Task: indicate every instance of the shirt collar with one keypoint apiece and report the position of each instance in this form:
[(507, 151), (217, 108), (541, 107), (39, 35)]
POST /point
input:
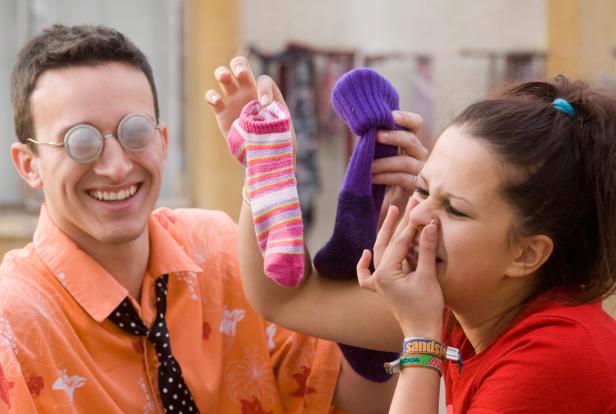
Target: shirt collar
[(96, 291)]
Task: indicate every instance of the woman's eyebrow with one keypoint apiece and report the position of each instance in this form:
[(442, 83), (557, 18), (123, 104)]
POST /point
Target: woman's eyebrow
[(446, 194)]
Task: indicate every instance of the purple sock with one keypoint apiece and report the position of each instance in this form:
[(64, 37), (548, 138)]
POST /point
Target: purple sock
[(364, 100)]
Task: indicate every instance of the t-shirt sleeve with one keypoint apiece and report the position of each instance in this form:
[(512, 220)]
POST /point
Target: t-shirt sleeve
[(552, 372), (306, 369)]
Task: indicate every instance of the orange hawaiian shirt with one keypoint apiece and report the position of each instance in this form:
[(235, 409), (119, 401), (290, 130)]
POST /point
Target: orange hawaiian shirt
[(60, 354)]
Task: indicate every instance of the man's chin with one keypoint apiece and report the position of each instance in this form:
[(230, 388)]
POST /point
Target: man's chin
[(122, 236)]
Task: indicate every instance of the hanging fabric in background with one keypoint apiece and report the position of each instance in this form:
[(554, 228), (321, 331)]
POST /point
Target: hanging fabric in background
[(335, 65), (298, 85), (415, 69), (294, 72), (423, 97)]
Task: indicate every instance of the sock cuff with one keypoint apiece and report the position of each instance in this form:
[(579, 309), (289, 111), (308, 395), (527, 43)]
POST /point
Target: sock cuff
[(256, 119)]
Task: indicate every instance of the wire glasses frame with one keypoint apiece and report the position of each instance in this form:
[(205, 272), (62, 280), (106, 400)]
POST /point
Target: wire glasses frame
[(84, 143)]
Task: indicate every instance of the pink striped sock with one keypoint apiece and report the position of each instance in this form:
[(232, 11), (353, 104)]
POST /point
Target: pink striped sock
[(261, 139)]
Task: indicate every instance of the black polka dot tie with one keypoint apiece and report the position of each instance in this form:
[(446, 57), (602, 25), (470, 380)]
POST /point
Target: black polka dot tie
[(174, 393)]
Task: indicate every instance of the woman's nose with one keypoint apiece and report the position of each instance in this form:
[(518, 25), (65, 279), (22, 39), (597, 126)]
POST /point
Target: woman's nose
[(422, 213)]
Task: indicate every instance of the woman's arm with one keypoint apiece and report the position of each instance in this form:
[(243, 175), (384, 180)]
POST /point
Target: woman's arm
[(335, 309), (330, 308), (416, 300)]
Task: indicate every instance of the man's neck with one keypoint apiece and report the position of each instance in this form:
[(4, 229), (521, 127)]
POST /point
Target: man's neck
[(126, 262)]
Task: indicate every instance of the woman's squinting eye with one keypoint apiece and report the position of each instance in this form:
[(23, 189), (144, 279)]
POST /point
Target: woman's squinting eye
[(421, 192), (454, 212)]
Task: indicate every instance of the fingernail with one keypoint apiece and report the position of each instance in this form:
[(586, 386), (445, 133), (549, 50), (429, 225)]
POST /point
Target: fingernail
[(220, 71), (397, 116), (214, 98), (383, 136), (239, 70), (264, 100)]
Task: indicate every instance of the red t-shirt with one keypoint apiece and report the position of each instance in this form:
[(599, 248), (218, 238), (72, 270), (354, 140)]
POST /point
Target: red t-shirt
[(553, 359)]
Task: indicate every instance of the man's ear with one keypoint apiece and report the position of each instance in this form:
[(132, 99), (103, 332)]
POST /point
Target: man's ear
[(163, 137), (532, 252), (26, 164)]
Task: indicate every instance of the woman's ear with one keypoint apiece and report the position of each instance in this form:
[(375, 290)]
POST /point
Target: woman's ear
[(26, 164), (532, 253)]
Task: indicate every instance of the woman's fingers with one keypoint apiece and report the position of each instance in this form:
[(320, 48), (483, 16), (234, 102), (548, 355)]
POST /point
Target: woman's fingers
[(242, 71), (398, 247), (226, 80), (405, 220), (215, 100), (384, 235), (428, 244), (364, 277), (268, 91)]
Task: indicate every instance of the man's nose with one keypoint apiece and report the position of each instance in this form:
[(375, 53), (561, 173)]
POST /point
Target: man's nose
[(114, 161)]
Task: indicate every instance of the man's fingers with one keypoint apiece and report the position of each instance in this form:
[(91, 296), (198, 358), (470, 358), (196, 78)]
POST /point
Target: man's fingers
[(397, 164), (406, 182), (364, 277), (408, 120), (428, 244), (408, 143)]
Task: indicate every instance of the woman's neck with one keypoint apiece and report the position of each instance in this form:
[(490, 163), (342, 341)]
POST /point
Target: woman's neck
[(483, 323)]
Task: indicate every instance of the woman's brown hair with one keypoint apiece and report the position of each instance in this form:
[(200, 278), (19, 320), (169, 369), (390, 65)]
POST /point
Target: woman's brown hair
[(561, 177)]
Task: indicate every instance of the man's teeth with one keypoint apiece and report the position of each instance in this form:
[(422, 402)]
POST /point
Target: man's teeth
[(114, 195)]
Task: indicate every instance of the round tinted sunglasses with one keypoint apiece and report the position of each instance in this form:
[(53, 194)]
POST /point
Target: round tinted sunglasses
[(84, 143)]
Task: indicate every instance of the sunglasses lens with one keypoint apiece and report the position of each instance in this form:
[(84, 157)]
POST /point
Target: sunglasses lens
[(83, 143), (136, 132)]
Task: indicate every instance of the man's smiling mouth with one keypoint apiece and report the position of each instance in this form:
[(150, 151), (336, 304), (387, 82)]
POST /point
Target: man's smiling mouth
[(114, 195)]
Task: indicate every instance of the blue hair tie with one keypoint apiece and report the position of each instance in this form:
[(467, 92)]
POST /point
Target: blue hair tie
[(564, 106)]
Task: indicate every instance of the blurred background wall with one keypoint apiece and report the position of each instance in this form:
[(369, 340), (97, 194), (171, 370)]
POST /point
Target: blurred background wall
[(439, 54)]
